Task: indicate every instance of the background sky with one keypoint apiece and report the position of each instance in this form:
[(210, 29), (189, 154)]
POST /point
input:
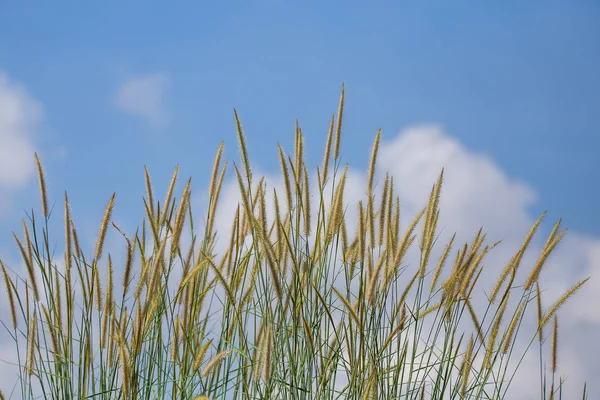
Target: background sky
[(505, 96)]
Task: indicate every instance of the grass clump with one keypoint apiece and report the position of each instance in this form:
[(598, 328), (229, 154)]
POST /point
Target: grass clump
[(292, 308)]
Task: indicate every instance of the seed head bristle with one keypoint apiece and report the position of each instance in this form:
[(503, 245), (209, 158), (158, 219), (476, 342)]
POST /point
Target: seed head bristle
[(180, 217), (278, 224), (215, 171), (42, 182), (165, 212), (233, 240), (396, 221), (372, 286), (58, 299), (215, 200), (28, 244), (243, 149), (338, 126), (158, 262), (259, 188), (103, 226), (327, 152), (475, 321), (31, 343), (175, 342), (267, 354), (550, 313), (125, 367), (466, 368), (361, 231), (371, 223), (149, 192), (257, 353), (337, 203), (299, 154), (552, 235), (104, 325), (441, 263), (263, 222), (200, 355), (344, 232), (286, 178), (97, 286), (407, 241), (373, 163), (272, 265), (216, 360), (306, 190), (391, 241), (244, 195), (9, 285), (30, 270), (382, 208), (349, 307), (109, 284), (52, 329), (538, 299), (68, 250), (516, 260), (450, 283), (512, 328), (112, 342), (535, 272), (465, 284), (429, 213), (494, 334), (128, 266)]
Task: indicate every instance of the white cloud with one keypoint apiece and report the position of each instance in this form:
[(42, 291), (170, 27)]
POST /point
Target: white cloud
[(475, 193), (144, 96), (19, 114)]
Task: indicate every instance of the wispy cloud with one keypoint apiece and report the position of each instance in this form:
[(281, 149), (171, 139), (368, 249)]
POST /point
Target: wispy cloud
[(143, 96), (19, 114)]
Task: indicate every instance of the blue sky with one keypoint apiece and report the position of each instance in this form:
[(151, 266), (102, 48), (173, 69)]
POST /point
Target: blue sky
[(518, 83), (116, 88)]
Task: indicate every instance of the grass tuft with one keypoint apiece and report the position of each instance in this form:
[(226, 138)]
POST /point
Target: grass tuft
[(292, 304)]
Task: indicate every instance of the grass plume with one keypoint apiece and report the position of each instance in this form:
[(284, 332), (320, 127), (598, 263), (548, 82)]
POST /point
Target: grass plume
[(291, 304)]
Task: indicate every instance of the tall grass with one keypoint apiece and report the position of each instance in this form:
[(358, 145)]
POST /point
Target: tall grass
[(293, 308)]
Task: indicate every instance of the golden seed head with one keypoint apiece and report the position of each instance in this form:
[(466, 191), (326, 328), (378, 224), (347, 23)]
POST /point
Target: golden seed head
[(373, 163), (149, 193), (103, 227), (550, 313), (169, 195), (9, 291), (327, 151), (306, 190), (383, 209), (42, 182), (338, 126), (215, 362), (243, 149)]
